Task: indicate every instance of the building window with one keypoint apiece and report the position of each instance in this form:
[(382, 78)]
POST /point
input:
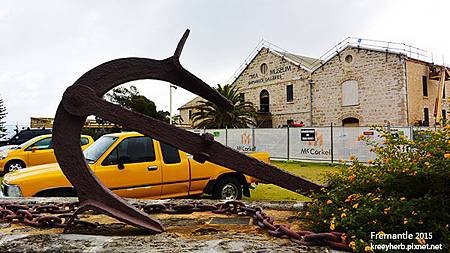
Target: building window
[(350, 93), (444, 116), (242, 97), (289, 93), (443, 92), (263, 68), (190, 114), (264, 101), (425, 86), (426, 117)]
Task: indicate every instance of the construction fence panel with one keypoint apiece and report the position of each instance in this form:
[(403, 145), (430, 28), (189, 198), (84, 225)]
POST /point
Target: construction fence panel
[(310, 143), (348, 142), (272, 140), (240, 139)]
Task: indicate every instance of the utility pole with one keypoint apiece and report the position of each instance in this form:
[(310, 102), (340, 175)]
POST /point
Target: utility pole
[(170, 101)]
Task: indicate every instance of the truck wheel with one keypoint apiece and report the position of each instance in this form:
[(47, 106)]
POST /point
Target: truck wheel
[(228, 188), (14, 165)]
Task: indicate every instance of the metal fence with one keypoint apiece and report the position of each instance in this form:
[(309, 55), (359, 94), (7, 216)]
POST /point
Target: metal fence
[(326, 144)]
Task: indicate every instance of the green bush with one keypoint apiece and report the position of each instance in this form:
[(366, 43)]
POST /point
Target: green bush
[(406, 188)]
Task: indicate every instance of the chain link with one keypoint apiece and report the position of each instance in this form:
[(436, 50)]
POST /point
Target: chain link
[(333, 240), (57, 216)]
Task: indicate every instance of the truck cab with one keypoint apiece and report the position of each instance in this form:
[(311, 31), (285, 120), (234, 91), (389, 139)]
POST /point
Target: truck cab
[(136, 166)]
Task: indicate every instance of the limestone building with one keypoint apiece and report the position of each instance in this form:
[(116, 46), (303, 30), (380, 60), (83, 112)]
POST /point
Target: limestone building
[(36, 122), (355, 84), (41, 122), (186, 113)]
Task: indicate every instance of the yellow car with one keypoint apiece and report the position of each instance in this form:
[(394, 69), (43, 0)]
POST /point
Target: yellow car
[(136, 166), (36, 151)]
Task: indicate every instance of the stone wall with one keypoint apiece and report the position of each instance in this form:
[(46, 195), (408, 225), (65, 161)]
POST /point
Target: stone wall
[(381, 88)]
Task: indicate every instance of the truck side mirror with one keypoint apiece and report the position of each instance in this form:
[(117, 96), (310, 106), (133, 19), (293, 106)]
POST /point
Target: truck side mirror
[(121, 162)]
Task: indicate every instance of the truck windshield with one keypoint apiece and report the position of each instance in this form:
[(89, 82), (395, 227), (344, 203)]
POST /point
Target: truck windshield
[(29, 142), (99, 147)]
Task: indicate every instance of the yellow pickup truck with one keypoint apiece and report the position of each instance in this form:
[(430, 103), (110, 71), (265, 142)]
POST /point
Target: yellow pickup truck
[(36, 151), (136, 166)]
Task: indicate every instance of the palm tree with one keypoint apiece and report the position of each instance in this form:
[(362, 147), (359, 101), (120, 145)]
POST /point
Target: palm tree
[(208, 115)]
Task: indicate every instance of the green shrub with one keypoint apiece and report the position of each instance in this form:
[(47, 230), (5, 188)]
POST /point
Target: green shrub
[(406, 188)]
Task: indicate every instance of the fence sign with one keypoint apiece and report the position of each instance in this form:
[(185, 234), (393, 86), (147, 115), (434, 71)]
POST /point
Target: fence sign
[(308, 134)]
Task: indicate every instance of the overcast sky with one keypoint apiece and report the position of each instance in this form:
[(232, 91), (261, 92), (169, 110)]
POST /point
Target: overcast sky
[(46, 45)]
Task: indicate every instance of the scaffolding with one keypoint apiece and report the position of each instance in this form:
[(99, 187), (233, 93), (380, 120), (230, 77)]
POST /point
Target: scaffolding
[(440, 74)]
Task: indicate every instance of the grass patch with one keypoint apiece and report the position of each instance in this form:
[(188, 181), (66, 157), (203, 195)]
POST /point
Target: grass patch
[(313, 171)]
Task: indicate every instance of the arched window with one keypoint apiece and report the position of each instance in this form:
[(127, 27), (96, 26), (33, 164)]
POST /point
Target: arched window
[(264, 101), (350, 93), (350, 121)]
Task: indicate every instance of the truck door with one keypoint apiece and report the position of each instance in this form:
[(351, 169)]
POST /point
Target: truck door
[(41, 152), (176, 174), (132, 169)]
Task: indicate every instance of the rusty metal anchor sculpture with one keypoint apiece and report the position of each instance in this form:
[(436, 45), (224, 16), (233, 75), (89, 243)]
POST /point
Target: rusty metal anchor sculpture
[(84, 98)]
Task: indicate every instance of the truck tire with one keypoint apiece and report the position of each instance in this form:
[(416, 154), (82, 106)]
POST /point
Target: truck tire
[(228, 188), (14, 165)]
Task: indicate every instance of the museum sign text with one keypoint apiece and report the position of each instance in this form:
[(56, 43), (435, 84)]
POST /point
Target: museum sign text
[(274, 74)]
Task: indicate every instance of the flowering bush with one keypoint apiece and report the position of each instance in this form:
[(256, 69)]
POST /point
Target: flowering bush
[(406, 188)]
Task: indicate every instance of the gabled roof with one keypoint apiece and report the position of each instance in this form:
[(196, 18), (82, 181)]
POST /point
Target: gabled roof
[(319, 63), (304, 61), (192, 103), (301, 61)]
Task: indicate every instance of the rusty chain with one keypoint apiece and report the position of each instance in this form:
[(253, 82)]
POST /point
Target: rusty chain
[(48, 215), (57, 215)]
